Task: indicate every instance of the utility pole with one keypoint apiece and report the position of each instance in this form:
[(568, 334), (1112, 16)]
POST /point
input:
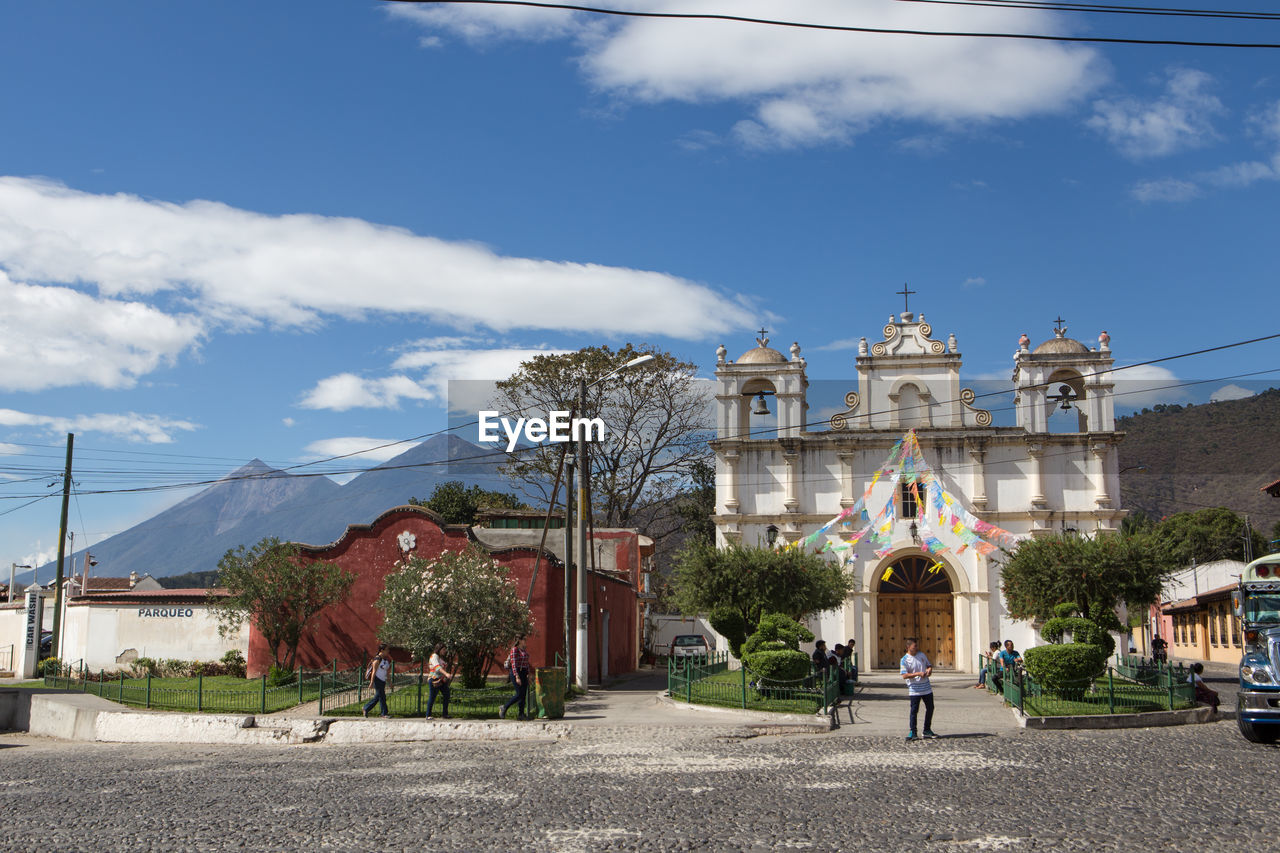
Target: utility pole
[(1248, 541), (568, 569), (62, 546), (584, 607)]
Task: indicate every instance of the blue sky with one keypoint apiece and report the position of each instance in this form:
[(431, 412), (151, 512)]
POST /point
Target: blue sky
[(237, 229)]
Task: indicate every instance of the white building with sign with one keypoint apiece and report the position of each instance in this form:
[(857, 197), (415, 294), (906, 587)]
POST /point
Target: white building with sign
[(782, 473), (108, 631)]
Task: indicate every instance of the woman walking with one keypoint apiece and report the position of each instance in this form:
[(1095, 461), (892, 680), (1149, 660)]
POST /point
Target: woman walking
[(518, 669), (379, 670), (438, 681)]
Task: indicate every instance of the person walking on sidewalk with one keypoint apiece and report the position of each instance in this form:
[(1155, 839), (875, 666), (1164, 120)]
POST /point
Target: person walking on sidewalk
[(379, 670), (518, 669), (915, 670), (438, 681)]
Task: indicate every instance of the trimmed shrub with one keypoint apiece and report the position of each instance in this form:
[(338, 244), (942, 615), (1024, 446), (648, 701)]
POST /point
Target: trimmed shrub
[(778, 665), (780, 629), (1066, 609), (729, 624), (773, 653), (1064, 666), (1082, 631)]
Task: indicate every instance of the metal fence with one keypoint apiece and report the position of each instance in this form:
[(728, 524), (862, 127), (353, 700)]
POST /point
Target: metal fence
[(257, 696), (707, 680), (341, 690), (6, 658), (1129, 687)]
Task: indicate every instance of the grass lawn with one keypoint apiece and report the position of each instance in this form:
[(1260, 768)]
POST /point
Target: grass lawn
[(725, 689), (217, 694), (1130, 698)]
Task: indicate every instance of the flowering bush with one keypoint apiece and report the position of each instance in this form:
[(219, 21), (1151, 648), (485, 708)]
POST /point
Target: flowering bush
[(464, 600)]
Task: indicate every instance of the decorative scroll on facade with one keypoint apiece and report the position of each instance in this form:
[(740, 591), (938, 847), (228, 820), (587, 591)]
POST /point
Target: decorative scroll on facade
[(840, 420), (895, 335), (981, 417)]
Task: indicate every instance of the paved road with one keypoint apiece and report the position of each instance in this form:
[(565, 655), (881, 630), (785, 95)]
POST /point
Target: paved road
[(649, 787)]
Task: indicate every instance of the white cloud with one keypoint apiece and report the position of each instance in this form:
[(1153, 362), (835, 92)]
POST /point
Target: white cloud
[(1164, 189), (1240, 175), (842, 344), (358, 448), (974, 281), (244, 269), (289, 422), (345, 391), (431, 369), (1147, 385), (129, 426), (54, 337), (1179, 119), (1230, 392), (1263, 125), (804, 87)]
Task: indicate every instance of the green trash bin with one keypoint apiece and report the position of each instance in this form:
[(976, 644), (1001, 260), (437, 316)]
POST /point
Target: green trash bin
[(549, 688)]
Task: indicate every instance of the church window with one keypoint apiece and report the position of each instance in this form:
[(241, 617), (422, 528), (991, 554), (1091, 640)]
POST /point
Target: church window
[(910, 506), (1192, 619), (1213, 625)]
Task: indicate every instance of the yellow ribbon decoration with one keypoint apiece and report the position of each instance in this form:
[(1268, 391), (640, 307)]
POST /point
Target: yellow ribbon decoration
[(888, 575)]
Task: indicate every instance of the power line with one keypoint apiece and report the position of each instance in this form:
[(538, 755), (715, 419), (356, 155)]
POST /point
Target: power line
[(594, 10), (1104, 8)]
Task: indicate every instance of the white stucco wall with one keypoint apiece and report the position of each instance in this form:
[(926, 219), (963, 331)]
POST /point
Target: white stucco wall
[(101, 633)]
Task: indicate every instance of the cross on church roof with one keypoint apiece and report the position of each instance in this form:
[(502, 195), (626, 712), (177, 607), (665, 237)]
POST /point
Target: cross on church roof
[(1059, 327), (763, 340), (906, 293)]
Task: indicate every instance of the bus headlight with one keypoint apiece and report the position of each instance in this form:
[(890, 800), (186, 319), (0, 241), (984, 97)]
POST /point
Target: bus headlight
[(1257, 675)]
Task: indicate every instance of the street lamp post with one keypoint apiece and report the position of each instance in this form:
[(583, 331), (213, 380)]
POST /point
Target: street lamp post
[(584, 606), (13, 574)]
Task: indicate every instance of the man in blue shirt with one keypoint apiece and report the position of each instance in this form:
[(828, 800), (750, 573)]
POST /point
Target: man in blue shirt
[(915, 669), (1009, 657)]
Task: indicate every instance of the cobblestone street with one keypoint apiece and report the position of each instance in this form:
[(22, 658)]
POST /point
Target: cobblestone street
[(652, 788)]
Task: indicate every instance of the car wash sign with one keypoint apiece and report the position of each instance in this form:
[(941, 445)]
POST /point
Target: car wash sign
[(31, 634)]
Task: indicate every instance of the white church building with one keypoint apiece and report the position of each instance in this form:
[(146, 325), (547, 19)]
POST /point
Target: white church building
[(783, 474)]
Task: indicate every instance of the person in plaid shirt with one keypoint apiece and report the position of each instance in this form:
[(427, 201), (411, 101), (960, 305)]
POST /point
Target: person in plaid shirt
[(517, 667)]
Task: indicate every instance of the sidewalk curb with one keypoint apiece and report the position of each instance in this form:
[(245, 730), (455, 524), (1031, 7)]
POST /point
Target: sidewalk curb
[(89, 718), (1148, 719), (754, 716)]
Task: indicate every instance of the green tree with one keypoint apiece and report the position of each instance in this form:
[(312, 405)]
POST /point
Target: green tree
[(458, 503), (1205, 535), (655, 417), (277, 592), (463, 599), (1096, 573), (738, 584), (696, 505)]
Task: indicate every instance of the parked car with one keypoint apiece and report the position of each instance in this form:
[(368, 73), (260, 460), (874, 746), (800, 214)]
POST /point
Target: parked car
[(690, 646)]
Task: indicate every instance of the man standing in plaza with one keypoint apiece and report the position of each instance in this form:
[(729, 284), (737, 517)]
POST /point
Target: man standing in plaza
[(915, 670)]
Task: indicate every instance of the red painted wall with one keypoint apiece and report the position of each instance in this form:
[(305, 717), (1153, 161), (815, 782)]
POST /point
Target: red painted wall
[(348, 631)]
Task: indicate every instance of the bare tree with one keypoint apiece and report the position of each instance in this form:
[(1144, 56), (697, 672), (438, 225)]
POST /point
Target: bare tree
[(656, 418)]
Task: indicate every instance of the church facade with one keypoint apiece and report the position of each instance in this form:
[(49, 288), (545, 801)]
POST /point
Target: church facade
[(783, 474)]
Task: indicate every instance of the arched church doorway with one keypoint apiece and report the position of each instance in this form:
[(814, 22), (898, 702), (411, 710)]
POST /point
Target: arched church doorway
[(915, 601)]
